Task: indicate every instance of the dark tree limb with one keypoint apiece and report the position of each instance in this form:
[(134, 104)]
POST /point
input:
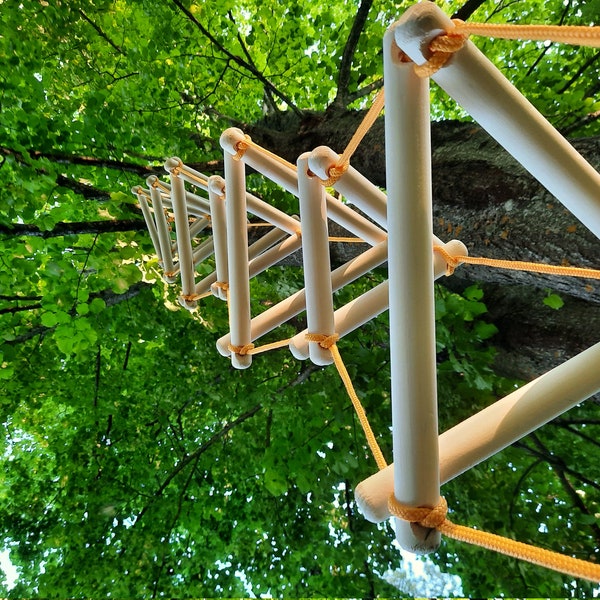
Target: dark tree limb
[(194, 456), (341, 99), (80, 228), (100, 32), (87, 161), (236, 59), (467, 9)]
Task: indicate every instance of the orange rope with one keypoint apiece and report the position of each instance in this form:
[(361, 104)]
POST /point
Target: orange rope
[(435, 518), (565, 34), (343, 163), (446, 44), (515, 265), (329, 342)]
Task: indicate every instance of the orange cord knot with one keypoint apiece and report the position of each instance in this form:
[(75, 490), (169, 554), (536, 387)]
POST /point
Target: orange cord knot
[(442, 48), (431, 518), (335, 173), (241, 147), (190, 297), (241, 350), (325, 341), (451, 261), (221, 285)]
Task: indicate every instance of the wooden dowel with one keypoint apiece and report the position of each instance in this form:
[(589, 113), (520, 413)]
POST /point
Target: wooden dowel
[(315, 258), (182, 231), (216, 197), (149, 219), (411, 312), (237, 253), (164, 236)]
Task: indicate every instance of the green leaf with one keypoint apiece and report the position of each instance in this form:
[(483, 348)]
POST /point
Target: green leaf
[(554, 301)]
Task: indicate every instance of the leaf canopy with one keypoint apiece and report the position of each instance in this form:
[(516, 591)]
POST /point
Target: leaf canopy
[(136, 462)]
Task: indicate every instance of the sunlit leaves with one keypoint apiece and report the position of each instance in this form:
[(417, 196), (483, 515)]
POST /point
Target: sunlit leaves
[(122, 472)]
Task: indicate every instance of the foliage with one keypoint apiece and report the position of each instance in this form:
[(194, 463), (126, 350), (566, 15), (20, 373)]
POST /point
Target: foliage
[(136, 462)]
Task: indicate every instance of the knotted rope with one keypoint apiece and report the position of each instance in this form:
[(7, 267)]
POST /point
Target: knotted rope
[(443, 46), (435, 518)]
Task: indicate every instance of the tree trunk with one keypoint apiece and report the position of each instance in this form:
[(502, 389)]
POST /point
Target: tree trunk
[(483, 197)]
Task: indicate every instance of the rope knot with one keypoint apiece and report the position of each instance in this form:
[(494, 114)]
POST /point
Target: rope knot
[(335, 172), (442, 48), (241, 147), (430, 518), (325, 341), (241, 350), (451, 261)]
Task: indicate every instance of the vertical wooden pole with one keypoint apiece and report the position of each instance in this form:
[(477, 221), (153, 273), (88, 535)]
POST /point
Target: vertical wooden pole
[(412, 324), (315, 256), (237, 252)]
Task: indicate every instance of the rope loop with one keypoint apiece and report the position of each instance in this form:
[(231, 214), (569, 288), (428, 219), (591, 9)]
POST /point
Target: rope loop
[(442, 47), (241, 147), (221, 285), (325, 341), (241, 350), (335, 173), (451, 261), (431, 518)]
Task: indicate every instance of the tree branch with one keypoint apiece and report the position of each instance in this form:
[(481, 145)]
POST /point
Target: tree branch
[(15, 309), (235, 58), (588, 63), (341, 98), (268, 94), (100, 32), (364, 91), (194, 456), (467, 9), (110, 299), (80, 228), (88, 161)]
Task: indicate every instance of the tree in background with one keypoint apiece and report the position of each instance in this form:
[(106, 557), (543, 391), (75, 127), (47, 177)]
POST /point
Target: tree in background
[(136, 462)]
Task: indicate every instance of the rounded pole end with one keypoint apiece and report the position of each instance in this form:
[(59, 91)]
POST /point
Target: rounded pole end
[(230, 138), (172, 163), (321, 160)]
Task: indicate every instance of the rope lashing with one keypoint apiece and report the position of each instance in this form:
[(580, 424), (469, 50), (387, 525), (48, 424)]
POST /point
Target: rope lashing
[(435, 518), (443, 46), (431, 518), (241, 148), (515, 265), (241, 350)]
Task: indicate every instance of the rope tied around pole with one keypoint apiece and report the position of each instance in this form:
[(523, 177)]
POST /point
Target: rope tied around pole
[(435, 518), (241, 147), (443, 46), (241, 350), (336, 171), (452, 262), (431, 518)]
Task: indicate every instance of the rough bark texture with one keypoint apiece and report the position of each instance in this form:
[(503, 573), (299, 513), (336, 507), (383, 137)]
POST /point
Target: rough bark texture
[(483, 197)]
